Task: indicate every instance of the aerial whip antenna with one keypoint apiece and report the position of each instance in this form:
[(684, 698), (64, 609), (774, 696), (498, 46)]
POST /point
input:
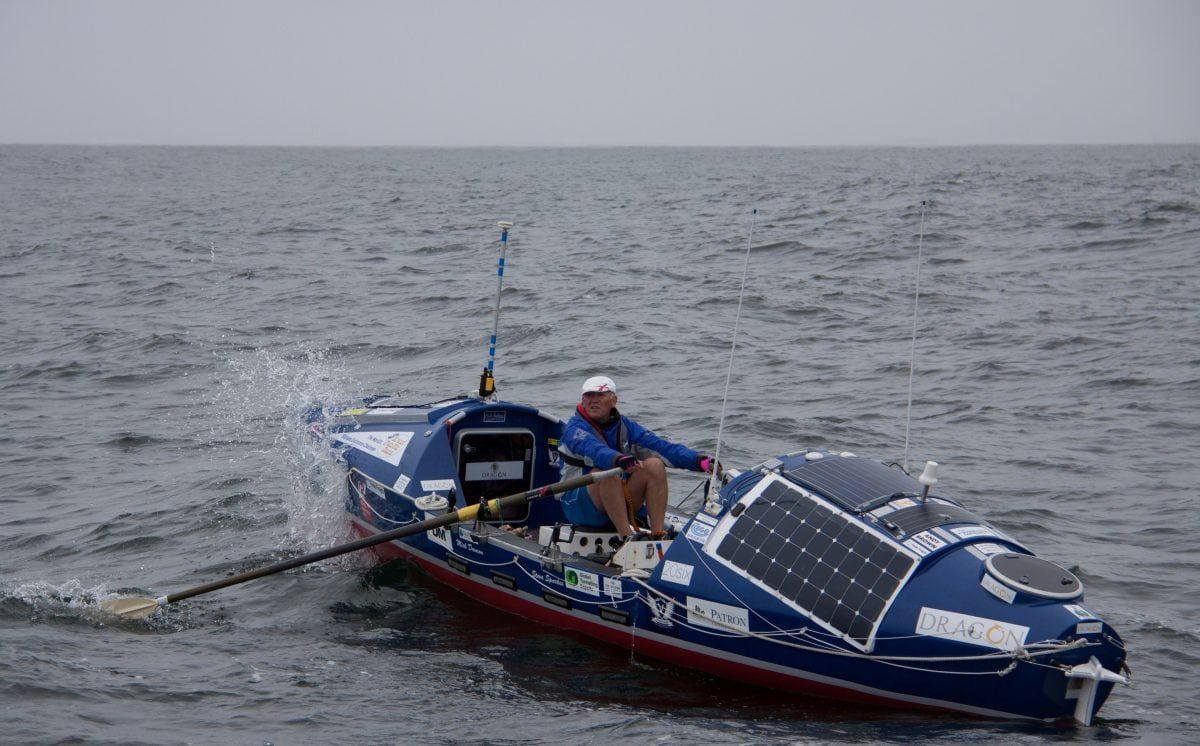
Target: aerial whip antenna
[(712, 503), (487, 384), (912, 360)]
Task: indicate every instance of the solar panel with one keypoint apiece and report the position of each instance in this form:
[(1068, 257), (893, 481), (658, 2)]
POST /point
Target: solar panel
[(930, 514), (815, 557), (856, 484)]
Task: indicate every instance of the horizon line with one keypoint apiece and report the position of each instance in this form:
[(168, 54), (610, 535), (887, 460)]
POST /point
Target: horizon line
[(584, 146)]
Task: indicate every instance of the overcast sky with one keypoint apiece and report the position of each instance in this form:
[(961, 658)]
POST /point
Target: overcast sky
[(604, 72)]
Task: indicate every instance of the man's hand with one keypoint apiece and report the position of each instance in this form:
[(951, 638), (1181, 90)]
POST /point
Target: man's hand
[(627, 463), (706, 465)]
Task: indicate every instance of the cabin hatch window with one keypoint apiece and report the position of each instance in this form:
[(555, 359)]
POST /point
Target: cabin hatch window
[(495, 463)]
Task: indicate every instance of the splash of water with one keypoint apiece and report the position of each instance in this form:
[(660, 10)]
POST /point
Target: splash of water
[(263, 403), (71, 595)]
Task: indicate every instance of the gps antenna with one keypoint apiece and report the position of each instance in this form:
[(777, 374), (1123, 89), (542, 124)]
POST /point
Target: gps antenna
[(712, 503), (487, 384)]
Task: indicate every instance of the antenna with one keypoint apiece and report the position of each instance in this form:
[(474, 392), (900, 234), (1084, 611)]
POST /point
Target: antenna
[(912, 360), (712, 503), (487, 384)]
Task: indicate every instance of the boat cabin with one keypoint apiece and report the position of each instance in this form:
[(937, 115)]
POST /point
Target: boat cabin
[(463, 450)]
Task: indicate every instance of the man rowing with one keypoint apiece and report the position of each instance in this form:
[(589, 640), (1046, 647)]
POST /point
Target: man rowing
[(600, 437)]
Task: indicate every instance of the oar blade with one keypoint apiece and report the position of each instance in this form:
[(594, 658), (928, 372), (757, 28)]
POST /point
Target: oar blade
[(132, 607)]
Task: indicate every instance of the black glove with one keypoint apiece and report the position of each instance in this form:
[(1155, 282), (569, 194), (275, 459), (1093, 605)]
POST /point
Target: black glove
[(627, 463)]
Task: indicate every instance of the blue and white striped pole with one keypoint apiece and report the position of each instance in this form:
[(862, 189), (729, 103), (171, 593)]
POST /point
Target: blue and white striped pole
[(487, 384)]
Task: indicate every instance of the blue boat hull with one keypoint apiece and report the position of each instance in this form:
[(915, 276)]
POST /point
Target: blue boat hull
[(903, 602)]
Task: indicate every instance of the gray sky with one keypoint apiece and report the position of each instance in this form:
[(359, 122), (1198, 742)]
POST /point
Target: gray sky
[(605, 72)]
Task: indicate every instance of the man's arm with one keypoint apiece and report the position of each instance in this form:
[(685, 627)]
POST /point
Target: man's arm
[(651, 443)]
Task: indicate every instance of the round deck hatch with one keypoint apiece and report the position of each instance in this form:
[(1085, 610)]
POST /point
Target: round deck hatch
[(1033, 575)]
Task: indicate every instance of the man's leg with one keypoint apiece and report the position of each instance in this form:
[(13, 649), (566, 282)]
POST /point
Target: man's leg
[(648, 485), (608, 496)]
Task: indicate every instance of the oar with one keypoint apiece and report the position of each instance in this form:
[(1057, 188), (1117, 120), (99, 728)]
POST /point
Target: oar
[(139, 607)]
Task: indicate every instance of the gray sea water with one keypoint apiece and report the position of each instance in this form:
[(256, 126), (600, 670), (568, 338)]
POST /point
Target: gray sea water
[(166, 313)]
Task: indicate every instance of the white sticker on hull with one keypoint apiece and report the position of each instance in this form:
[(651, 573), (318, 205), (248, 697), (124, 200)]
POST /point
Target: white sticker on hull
[(970, 532), (479, 471), (1079, 611), (583, 581), (989, 548), (437, 485), (973, 630), (440, 535), (677, 572), (998, 589), (916, 547), (612, 587), (929, 540), (698, 532), (401, 484), (705, 613), (705, 518), (386, 446)]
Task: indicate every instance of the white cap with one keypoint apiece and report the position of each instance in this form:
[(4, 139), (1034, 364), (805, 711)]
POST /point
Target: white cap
[(599, 384)]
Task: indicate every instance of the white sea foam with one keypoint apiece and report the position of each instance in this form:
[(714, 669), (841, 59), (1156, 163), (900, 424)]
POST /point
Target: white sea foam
[(71, 594), (263, 402)]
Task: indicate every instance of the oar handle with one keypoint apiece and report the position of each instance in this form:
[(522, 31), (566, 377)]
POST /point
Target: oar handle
[(468, 513)]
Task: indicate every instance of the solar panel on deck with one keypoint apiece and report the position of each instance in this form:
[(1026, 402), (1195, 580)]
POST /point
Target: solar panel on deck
[(832, 567), (854, 483)]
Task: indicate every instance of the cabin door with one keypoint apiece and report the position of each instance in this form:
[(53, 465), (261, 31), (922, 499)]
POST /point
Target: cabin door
[(495, 463)]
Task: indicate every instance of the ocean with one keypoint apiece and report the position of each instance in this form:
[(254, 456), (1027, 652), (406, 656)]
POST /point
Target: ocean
[(168, 312)]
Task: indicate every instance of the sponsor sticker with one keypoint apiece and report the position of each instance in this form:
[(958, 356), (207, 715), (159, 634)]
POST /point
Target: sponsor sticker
[(677, 572), (1079, 611), (581, 580), (949, 537), (612, 587), (916, 547), (989, 548), (970, 532), (998, 589), (494, 415), (973, 630), (706, 518), (386, 446), (440, 535), (930, 541), (437, 485), (1088, 628), (698, 532), (904, 502), (401, 483), (487, 470), (717, 616)]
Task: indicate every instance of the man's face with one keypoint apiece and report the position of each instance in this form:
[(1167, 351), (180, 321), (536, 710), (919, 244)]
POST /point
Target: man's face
[(599, 404)]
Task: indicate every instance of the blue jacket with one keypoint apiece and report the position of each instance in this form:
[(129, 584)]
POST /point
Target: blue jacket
[(582, 449)]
